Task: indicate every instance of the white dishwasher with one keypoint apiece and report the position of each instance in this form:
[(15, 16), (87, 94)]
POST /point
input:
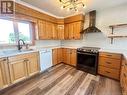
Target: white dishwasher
[(45, 59)]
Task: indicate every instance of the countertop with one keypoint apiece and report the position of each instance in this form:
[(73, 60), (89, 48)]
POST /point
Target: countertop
[(37, 49)]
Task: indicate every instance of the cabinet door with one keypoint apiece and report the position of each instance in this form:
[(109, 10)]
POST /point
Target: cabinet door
[(123, 77), (68, 56), (59, 55), (1, 79), (65, 55), (71, 29), (18, 70), (42, 30), (49, 30), (66, 32), (77, 30), (60, 31), (73, 57), (33, 65), (4, 73), (54, 29), (54, 56)]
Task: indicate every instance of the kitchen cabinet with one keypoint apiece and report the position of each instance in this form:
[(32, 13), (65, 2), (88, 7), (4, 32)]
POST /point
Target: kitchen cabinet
[(70, 56), (66, 31), (23, 66), (33, 64), (4, 73), (60, 31), (18, 70), (57, 56), (72, 30), (77, 29), (123, 76), (54, 56), (42, 30), (55, 31), (109, 65), (47, 30)]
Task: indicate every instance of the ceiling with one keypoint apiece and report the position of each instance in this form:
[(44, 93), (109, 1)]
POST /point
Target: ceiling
[(54, 6)]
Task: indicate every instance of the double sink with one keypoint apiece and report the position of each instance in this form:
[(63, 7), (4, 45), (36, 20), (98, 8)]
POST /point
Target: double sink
[(7, 53)]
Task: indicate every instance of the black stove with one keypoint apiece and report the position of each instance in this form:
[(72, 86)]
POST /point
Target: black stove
[(87, 59)]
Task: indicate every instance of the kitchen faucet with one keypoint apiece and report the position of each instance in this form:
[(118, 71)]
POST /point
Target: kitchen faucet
[(19, 44)]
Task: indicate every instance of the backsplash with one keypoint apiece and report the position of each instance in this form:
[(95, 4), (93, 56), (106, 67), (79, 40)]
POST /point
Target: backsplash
[(47, 43)]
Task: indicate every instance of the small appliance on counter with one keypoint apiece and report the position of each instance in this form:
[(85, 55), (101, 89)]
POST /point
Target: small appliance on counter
[(87, 59)]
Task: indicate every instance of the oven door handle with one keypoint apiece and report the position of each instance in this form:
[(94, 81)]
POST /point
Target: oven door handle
[(87, 53)]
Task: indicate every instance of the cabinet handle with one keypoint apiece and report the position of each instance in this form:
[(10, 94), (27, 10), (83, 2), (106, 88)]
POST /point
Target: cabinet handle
[(107, 72), (109, 55), (124, 75), (108, 62), (4, 59)]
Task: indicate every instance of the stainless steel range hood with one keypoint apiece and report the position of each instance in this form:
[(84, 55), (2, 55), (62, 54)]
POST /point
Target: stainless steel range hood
[(92, 21)]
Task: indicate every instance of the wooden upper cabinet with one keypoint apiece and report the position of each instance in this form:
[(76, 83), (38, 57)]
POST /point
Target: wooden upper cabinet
[(4, 73), (66, 31), (71, 29), (49, 30), (42, 30), (60, 31), (54, 30), (77, 29)]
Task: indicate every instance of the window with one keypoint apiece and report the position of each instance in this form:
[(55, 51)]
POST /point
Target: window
[(12, 31), (6, 32)]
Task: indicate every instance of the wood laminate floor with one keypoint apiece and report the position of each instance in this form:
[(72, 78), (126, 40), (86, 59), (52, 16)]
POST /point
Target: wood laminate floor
[(66, 80)]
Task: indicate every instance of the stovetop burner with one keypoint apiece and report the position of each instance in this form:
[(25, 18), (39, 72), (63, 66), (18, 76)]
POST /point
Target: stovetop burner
[(89, 49)]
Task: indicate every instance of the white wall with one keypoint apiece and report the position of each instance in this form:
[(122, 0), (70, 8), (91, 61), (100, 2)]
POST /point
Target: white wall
[(47, 43), (111, 16)]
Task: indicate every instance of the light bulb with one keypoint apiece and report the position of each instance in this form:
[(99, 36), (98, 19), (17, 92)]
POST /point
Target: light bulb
[(84, 6), (68, 9), (76, 10), (62, 7)]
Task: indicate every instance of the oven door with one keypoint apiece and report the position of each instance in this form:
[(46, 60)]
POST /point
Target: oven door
[(87, 61)]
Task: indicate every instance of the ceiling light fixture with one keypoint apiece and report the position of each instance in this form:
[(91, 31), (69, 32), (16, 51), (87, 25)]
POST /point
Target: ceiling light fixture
[(72, 4)]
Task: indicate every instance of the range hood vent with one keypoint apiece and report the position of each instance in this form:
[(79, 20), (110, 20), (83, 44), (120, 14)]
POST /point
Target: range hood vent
[(92, 21)]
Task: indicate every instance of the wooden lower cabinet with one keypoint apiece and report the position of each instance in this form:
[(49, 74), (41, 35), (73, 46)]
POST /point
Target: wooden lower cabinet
[(65, 55), (23, 66), (109, 65), (123, 76), (33, 66), (73, 57), (70, 56), (57, 56), (18, 70), (4, 73)]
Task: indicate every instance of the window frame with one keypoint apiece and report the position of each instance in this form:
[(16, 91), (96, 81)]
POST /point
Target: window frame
[(16, 32)]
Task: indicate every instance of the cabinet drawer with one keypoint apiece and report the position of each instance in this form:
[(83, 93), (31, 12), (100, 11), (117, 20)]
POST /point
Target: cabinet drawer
[(22, 56), (110, 55), (112, 73), (110, 63)]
